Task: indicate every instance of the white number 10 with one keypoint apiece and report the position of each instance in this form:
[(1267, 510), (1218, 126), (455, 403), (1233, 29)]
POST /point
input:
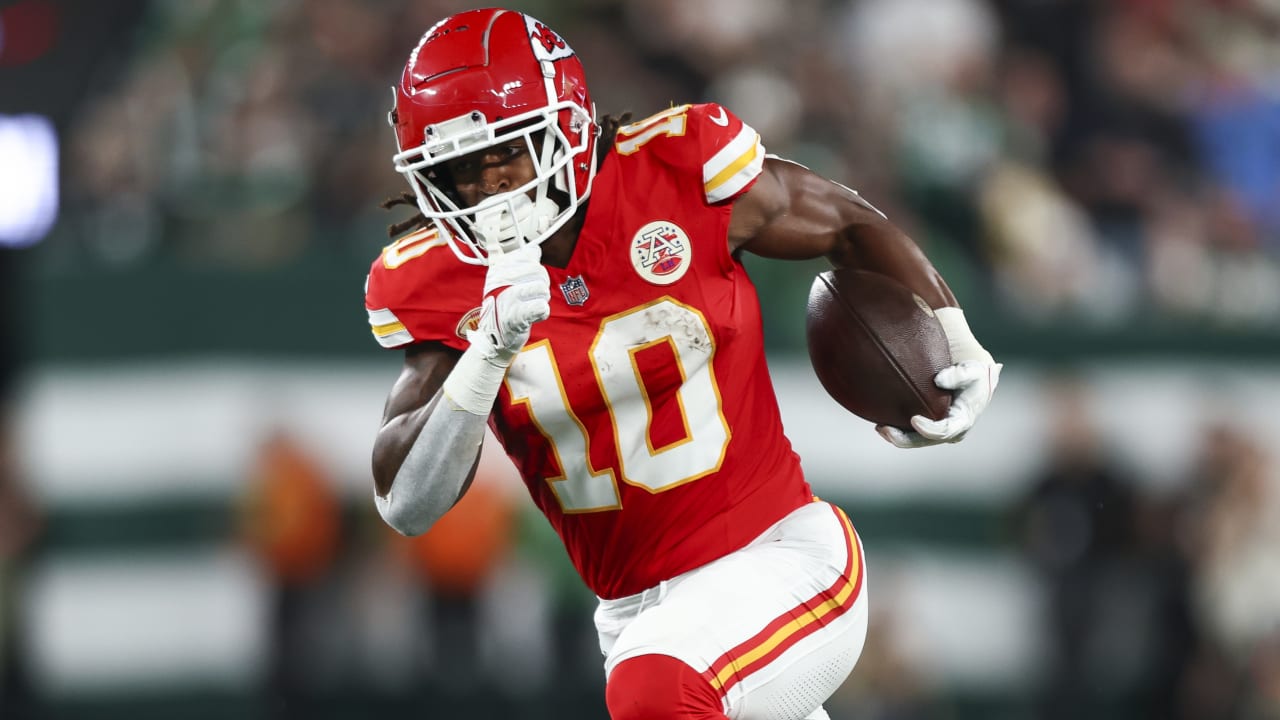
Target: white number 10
[(534, 379)]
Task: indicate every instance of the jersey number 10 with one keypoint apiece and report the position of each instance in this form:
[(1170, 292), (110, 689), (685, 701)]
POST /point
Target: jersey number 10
[(535, 380)]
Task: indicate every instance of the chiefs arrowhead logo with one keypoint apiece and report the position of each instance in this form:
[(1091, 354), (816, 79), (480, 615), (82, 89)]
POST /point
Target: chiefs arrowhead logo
[(470, 321), (545, 35), (546, 44)]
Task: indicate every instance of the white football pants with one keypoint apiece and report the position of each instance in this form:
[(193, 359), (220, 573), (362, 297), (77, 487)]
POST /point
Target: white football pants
[(774, 627)]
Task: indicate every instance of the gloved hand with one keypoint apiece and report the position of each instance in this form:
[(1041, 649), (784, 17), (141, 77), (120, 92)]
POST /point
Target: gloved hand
[(972, 378), (517, 294)]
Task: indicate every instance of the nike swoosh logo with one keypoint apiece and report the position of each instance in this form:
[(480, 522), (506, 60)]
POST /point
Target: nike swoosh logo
[(722, 121)]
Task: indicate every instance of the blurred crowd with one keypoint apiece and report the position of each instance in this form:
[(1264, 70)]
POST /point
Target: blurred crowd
[(1161, 603), (483, 616), (1069, 160)]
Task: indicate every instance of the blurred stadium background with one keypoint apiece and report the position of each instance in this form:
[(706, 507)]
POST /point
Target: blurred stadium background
[(188, 194)]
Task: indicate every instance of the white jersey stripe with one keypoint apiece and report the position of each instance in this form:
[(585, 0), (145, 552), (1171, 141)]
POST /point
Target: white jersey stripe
[(388, 329), (738, 180), (737, 164)]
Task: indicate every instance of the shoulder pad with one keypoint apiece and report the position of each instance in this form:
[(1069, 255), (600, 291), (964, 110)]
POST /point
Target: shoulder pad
[(418, 290), (706, 138)]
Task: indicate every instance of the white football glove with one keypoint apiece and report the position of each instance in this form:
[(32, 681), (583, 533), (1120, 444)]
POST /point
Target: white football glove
[(517, 294), (972, 378)]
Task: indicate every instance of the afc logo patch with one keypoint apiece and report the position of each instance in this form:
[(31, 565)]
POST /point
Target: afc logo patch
[(575, 290), (660, 252)]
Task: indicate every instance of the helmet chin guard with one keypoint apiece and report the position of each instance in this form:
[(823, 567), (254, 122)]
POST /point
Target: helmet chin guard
[(485, 78)]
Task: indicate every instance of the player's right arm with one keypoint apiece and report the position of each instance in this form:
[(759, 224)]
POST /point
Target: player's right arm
[(426, 452), (412, 493)]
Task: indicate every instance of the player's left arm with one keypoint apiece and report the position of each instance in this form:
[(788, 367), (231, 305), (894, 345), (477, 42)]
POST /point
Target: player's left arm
[(790, 212), (793, 213)]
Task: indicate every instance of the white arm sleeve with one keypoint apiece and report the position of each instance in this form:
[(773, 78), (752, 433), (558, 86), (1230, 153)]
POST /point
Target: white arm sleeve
[(436, 467)]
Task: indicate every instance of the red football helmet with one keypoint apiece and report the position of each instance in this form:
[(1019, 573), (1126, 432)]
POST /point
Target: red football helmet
[(481, 78)]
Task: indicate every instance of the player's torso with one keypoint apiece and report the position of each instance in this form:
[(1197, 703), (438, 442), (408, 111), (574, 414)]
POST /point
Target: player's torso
[(641, 413), (624, 379)]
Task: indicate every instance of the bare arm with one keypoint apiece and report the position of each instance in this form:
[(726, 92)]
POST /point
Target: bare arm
[(795, 214), (792, 213), (438, 460)]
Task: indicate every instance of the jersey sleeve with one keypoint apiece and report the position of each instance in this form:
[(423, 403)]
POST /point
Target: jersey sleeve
[(733, 151), (706, 138), (418, 291)]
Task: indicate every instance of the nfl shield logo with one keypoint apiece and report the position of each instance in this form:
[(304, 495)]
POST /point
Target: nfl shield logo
[(575, 290)]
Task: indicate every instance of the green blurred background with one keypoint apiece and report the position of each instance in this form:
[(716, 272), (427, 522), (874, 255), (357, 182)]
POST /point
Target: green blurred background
[(188, 207)]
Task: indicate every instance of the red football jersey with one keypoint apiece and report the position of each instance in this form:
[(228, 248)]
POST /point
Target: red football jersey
[(641, 414)]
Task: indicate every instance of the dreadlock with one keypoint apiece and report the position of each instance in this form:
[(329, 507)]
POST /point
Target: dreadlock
[(417, 221), (608, 130)]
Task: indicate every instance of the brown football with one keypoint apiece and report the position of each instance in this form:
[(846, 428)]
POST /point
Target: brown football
[(876, 347)]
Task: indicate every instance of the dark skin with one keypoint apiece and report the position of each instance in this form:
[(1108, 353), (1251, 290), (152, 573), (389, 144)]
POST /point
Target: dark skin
[(789, 213)]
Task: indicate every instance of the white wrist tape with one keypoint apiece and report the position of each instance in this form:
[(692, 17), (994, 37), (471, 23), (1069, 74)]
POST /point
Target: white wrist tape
[(964, 346), (474, 382)]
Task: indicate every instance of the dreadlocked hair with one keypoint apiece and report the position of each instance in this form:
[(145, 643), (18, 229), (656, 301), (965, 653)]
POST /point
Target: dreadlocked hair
[(608, 131), (416, 222)]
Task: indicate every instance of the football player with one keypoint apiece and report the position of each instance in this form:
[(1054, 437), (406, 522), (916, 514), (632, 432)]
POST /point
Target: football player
[(577, 285)]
